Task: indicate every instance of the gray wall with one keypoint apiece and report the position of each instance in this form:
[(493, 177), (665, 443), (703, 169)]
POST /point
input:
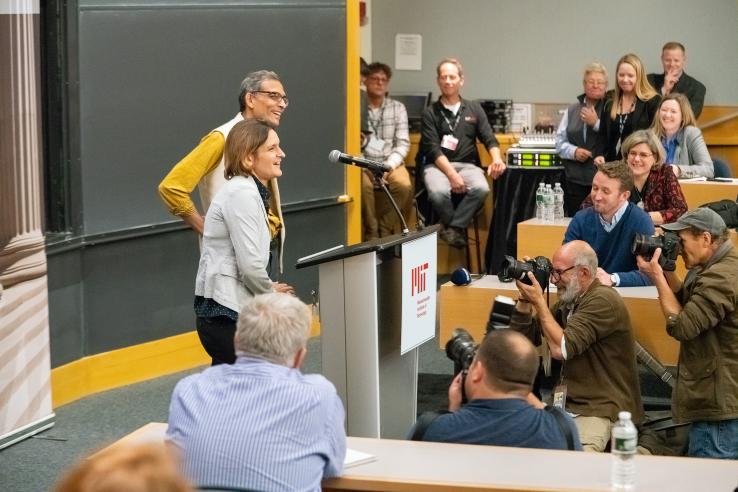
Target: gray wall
[(534, 50), (154, 77)]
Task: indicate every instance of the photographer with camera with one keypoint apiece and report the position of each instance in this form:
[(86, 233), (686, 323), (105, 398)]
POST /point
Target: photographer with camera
[(701, 314), (589, 330), (501, 410)]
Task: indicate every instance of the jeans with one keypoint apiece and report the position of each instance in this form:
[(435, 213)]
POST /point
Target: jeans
[(714, 439), (439, 193)]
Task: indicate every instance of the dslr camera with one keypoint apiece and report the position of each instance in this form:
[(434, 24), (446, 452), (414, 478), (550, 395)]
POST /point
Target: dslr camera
[(513, 269), (645, 246)]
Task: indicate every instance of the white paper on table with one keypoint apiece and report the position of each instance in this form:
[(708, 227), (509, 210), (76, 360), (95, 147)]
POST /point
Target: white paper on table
[(354, 458)]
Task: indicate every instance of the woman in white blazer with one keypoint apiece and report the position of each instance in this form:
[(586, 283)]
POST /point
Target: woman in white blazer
[(235, 242), (675, 126)]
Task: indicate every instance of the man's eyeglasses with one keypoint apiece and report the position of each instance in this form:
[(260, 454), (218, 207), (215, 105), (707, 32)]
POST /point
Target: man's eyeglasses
[(556, 273), (595, 83), (274, 96), (378, 80)]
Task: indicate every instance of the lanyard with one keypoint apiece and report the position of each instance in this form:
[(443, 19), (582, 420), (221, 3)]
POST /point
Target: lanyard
[(456, 121), (375, 124)]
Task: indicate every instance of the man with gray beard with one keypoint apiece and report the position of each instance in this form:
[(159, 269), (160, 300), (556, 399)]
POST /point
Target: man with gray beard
[(589, 331)]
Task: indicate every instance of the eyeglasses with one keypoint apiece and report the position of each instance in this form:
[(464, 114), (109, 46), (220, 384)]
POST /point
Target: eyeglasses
[(274, 96), (642, 155), (595, 83), (556, 273), (378, 80)]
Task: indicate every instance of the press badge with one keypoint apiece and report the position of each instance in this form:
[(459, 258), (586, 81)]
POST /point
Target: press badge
[(449, 142), (375, 145), (559, 396)]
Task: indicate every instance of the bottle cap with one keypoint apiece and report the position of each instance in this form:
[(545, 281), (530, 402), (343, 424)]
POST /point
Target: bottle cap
[(624, 415)]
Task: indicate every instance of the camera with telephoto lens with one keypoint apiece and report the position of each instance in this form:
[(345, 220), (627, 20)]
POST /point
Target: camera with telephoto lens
[(513, 269), (669, 243)]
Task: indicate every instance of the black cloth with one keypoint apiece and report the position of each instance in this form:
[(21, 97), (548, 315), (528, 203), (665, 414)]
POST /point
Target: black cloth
[(582, 172), (469, 123), (216, 335), (639, 119), (515, 201), (574, 196), (689, 86)]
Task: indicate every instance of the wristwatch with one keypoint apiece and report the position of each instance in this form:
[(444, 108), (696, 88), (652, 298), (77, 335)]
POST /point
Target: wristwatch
[(614, 279)]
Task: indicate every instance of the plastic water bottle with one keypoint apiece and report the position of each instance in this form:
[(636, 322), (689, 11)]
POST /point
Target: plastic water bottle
[(623, 450), (548, 208), (539, 200), (558, 202)]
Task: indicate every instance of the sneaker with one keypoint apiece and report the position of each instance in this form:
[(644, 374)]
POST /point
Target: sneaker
[(453, 237)]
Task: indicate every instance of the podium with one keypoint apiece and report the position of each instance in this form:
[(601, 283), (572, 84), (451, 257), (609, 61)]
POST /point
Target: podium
[(377, 305)]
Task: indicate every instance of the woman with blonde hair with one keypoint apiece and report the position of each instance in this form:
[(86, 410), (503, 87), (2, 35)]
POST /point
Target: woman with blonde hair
[(632, 107), (235, 242), (676, 127)]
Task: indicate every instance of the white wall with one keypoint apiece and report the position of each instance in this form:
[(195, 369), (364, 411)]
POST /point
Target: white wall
[(534, 50)]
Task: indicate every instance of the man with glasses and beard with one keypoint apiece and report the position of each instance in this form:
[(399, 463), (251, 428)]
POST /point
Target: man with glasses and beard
[(589, 331)]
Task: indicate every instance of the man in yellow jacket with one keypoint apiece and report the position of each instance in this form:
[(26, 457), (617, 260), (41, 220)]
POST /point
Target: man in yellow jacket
[(261, 96)]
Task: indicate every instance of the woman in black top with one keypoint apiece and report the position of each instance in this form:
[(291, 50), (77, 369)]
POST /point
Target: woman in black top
[(632, 107)]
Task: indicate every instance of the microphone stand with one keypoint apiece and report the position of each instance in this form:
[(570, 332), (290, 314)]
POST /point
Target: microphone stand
[(378, 175)]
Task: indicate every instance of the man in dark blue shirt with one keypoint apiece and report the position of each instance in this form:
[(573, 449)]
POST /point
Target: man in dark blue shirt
[(501, 410)]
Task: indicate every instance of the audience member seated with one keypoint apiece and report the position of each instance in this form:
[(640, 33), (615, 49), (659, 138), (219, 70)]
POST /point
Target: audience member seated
[(501, 410), (448, 144), (673, 80), (388, 142), (578, 138), (260, 424), (655, 188), (686, 151), (702, 314), (632, 107), (589, 330), (126, 468), (610, 225)]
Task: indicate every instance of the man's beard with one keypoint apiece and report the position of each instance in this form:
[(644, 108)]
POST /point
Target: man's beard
[(571, 291)]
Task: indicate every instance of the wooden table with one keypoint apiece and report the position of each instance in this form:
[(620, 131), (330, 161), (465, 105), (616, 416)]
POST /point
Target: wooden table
[(469, 306), (408, 466), (698, 193)]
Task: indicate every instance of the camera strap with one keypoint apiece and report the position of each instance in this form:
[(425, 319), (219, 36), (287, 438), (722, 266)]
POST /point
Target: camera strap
[(563, 425)]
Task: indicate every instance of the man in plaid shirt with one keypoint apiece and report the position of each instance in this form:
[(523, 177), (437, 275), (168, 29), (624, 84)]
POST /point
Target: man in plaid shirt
[(389, 143)]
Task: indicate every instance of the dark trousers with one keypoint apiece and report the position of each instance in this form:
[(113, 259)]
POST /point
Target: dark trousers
[(216, 335), (574, 196)]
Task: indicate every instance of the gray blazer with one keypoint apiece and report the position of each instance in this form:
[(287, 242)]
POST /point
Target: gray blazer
[(235, 246), (691, 155)]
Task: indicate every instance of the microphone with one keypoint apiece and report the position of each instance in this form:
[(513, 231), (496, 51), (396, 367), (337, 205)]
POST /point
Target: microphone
[(373, 166)]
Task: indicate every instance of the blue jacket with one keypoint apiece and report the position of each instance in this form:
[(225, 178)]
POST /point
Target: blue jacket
[(613, 248)]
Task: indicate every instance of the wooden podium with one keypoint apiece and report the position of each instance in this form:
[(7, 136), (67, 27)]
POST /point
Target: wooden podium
[(368, 297)]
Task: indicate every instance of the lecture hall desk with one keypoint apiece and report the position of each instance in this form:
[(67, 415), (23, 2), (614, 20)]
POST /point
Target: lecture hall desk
[(407, 466)]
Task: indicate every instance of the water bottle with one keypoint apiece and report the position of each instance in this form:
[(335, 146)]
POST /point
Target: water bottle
[(548, 208), (623, 450), (539, 201), (558, 202)]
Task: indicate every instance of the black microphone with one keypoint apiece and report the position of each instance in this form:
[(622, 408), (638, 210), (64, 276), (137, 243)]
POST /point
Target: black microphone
[(373, 166)]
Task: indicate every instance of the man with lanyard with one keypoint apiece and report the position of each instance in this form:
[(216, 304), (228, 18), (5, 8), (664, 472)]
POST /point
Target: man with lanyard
[(388, 142), (589, 330), (450, 128), (261, 96)]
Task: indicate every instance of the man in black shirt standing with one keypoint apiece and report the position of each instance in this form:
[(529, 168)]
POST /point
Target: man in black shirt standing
[(450, 129), (673, 59)]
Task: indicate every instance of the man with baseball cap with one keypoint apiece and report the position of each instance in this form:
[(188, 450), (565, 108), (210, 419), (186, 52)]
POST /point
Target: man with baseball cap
[(701, 313)]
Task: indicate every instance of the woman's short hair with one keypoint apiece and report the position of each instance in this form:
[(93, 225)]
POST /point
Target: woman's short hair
[(651, 140), (643, 89), (146, 467), (273, 327), (685, 107), (243, 140)]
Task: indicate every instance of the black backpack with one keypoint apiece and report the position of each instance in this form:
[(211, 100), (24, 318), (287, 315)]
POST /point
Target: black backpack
[(727, 209)]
